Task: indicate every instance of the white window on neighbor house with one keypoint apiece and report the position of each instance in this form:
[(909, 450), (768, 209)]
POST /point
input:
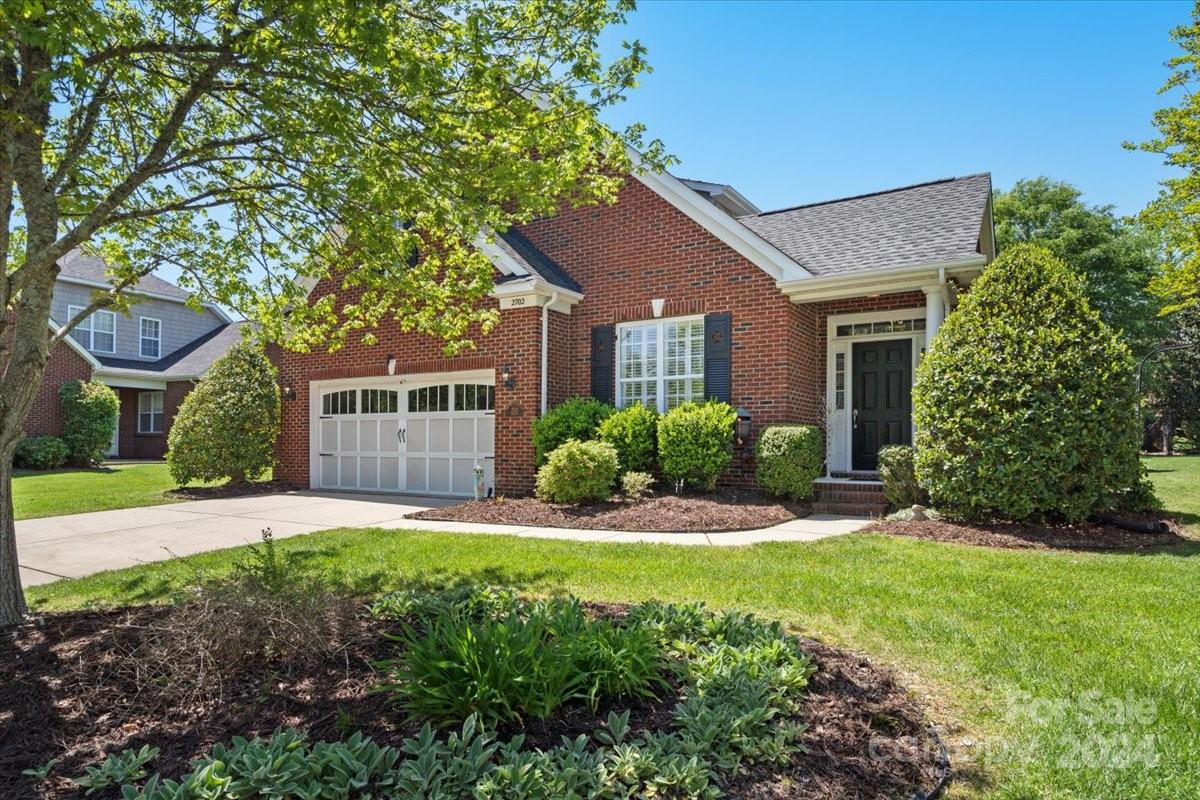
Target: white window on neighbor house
[(660, 364), (98, 332), (150, 412), (150, 337)]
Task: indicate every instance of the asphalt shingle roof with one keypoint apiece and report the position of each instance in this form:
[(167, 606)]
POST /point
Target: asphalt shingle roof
[(82, 266), (938, 221), (191, 360), (538, 263)]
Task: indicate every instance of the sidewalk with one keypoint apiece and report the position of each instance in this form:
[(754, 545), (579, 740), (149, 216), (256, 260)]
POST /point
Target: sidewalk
[(72, 546)]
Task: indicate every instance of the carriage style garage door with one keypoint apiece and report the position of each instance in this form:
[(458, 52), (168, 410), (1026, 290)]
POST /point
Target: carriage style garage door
[(403, 436)]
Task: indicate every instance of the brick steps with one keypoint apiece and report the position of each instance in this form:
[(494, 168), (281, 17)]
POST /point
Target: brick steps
[(858, 496)]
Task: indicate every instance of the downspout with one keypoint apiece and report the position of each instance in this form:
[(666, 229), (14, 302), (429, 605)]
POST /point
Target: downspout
[(546, 351)]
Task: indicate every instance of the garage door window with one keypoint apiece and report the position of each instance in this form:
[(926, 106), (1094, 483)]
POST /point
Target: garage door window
[(343, 402), (429, 399), (474, 397), (380, 401)]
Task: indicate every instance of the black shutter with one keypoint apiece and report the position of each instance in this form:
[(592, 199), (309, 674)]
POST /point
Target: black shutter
[(717, 331), (604, 339)]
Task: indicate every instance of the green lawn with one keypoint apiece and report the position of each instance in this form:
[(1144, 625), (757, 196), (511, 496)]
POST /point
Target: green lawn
[(1177, 479), (73, 491), (1006, 645)]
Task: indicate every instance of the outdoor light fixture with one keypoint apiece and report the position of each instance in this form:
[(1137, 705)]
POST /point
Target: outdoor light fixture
[(289, 391), (741, 429), (391, 364), (506, 375)]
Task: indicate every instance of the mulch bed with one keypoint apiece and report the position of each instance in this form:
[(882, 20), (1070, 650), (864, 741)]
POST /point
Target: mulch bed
[(1091, 536), (61, 698), (229, 490), (724, 510)]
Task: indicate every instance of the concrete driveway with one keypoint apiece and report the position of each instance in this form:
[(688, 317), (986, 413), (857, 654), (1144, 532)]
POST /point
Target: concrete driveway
[(82, 544)]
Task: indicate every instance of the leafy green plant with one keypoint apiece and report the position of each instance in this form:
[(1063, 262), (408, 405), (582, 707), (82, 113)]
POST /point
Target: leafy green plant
[(89, 417), (42, 773), (788, 458), (470, 601), (636, 485), (898, 472), (633, 431), (695, 442), (118, 769), (227, 426), (577, 418), (577, 472), (1024, 404), (41, 452)]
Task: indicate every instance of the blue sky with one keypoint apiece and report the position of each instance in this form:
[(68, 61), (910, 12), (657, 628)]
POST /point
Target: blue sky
[(797, 102)]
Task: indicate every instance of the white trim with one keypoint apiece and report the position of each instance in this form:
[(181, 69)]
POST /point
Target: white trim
[(76, 346), (73, 311), (162, 412), (719, 223), (886, 281), (117, 380), (533, 292), (485, 242), (661, 377), (841, 434), (157, 340)]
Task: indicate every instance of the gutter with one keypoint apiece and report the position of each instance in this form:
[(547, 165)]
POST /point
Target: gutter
[(546, 351)]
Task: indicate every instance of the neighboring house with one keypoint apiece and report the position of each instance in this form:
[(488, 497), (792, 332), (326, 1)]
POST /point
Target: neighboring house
[(152, 356), (680, 290)]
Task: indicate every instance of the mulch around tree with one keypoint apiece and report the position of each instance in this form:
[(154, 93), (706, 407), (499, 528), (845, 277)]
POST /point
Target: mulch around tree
[(63, 697), (1089, 536), (723, 510), (229, 490)]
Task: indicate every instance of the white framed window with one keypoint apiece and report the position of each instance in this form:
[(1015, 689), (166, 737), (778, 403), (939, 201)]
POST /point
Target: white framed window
[(98, 332), (660, 364), (150, 337), (150, 412)]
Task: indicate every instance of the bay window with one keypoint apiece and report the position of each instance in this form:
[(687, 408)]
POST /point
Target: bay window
[(660, 364)]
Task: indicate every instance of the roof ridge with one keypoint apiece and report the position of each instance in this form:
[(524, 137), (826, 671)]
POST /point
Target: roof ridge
[(877, 193)]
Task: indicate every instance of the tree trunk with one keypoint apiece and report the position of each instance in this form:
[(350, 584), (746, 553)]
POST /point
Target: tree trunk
[(12, 598)]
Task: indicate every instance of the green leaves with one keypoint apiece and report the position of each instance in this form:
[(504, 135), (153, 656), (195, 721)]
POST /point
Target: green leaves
[(788, 458), (633, 432), (89, 416), (577, 472), (695, 443)]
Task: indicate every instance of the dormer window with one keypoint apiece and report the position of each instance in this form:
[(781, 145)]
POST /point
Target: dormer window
[(151, 337), (97, 333)]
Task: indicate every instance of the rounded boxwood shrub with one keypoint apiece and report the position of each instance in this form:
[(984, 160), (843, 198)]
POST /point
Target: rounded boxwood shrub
[(788, 458), (632, 431), (577, 418), (41, 452), (577, 472), (695, 443), (227, 426), (899, 476), (89, 417), (1024, 404)]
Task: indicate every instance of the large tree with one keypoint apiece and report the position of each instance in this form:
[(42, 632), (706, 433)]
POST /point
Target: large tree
[(1116, 259), (257, 145), (1176, 210)]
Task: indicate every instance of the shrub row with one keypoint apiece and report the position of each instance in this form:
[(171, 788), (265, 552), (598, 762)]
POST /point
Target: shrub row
[(41, 452)]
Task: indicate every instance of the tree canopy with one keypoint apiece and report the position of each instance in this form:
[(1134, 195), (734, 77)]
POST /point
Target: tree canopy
[(259, 146), (1116, 259), (1175, 213)]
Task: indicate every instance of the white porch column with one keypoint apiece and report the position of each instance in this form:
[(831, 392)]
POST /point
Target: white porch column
[(935, 311)]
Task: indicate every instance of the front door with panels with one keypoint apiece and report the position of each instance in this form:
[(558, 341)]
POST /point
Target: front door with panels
[(882, 390), (361, 440)]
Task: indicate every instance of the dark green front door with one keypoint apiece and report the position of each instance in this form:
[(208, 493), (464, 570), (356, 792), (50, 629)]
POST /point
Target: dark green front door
[(882, 413)]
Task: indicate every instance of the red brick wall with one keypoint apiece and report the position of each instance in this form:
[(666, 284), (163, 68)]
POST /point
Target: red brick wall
[(642, 248), (64, 365)]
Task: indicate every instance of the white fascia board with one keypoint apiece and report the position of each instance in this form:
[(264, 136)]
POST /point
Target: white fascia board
[(485, 242), (76, 346), (856, 284), (744, 241), (126, 380)]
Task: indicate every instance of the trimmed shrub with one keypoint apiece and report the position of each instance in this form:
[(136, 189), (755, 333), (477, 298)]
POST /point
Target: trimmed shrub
[(577, 472), (636, 485), (632, 431), (41, 452), (577, 418), (1024, 404), (899, 476), (227, 426), (89, 417), (695, 442), (788, 458)]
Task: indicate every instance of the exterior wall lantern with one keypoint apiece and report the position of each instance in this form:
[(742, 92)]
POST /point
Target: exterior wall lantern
[(289, 391), (741, 428), (391, 364), (506, 375)]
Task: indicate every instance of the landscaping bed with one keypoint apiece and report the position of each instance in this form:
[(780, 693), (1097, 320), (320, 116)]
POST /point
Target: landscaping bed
[(80, 685), (1090, 536), (229, 489), (723, 510)]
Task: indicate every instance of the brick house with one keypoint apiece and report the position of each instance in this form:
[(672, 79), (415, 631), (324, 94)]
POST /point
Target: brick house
[(680, 290), (151, 357)]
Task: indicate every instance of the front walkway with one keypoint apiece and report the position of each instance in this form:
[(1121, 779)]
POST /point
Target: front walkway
[(81, 544)]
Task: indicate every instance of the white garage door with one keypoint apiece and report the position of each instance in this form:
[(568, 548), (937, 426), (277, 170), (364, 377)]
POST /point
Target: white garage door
[(424, 438)]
